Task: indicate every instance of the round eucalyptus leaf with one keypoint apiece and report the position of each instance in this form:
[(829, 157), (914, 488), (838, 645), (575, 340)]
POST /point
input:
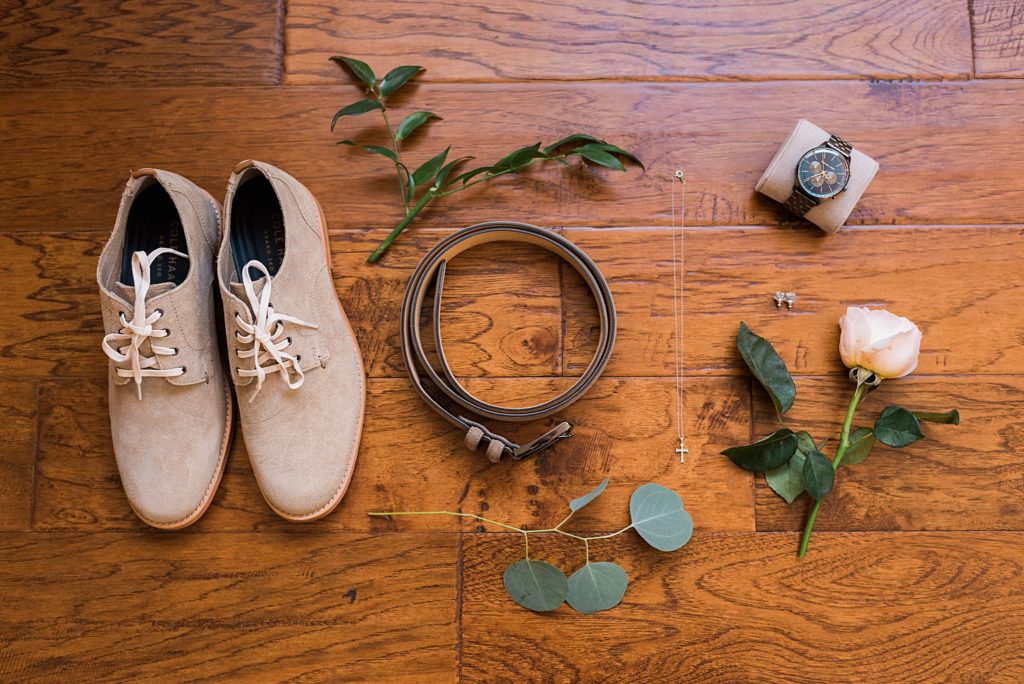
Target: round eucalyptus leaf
[(658, 516), (536, 585), (597, 586)]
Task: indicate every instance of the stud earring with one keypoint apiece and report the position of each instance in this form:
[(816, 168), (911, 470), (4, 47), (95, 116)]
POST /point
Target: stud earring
[(779, 298), (790, 299)]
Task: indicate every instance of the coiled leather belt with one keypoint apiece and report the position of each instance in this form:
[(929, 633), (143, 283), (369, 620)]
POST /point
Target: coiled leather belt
[(443, 392)]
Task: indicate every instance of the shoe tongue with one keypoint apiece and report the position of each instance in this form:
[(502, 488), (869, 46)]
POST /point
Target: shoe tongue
[(127, 292), (238, 289)]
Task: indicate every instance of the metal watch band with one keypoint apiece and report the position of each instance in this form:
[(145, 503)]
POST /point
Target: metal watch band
[(799, 203), (840, 145), (439, 388)]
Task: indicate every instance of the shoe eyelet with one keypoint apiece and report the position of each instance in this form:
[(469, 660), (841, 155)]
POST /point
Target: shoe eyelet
[(158, 312), (184, 369), (175, 352), (167, 332), (298, 357), (288, 339)]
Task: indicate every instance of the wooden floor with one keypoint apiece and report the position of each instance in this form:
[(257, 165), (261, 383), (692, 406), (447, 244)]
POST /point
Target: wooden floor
[(916, 573)]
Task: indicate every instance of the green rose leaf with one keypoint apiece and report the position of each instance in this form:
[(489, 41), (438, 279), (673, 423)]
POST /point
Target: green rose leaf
[(897, 427), (862, 440), (658, 516), (597, 586), (580, 502), (768, 367), (429, 168), (384, 151), (396, 78), (536, 585), (947, 418), (594, 153), (769, 453), (818, 475), (788, 480), (360, 70), (355, 109), (518, 158), (412, 122), (575, 137)]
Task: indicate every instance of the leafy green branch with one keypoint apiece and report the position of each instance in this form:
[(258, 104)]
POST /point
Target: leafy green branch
[(791, 461), (434, 178), (656, 513)]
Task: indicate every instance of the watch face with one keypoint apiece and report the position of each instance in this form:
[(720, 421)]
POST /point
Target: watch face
[(823, 172)]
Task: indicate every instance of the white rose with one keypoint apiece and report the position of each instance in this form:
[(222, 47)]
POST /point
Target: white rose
[(878, 341)]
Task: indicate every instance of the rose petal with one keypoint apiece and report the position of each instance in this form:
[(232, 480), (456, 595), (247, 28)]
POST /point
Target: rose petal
[(856, 334), (895, 357)]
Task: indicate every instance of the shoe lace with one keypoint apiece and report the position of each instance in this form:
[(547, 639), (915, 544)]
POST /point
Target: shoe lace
[(265, 332), (140, 328)]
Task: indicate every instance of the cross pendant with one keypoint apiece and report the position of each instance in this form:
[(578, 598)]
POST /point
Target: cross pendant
[(682, 451)]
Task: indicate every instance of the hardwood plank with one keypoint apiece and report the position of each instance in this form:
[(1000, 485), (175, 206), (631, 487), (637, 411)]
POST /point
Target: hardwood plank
[(505, 319), (88, 44), (18, 457), (998, 38), (410, 459), (731, 276), (647, 39), (311, 606), (67, 162), (965, 477), (741, 607)]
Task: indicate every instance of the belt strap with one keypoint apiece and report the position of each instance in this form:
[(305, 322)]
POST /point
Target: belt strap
[(442, 391)]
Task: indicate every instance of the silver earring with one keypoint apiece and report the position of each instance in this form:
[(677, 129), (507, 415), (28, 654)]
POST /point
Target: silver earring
[(779, 298), (790, 300)]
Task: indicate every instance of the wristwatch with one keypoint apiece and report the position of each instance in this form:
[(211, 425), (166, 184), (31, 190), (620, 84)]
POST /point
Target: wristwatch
[(821, 174)]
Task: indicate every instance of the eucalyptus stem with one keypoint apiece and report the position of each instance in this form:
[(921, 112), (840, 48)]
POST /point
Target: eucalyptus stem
[(844, 443), (473, 516)]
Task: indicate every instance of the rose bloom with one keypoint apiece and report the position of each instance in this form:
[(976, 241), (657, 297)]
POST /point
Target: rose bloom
[(878, 341)]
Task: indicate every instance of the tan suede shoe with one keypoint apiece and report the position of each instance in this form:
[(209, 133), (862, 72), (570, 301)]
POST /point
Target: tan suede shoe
[(170, 403), (294, 359)]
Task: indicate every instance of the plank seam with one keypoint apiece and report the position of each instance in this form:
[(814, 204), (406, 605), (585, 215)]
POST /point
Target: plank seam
[(280, 42), (974, 49), (458, 608), (35, 460)]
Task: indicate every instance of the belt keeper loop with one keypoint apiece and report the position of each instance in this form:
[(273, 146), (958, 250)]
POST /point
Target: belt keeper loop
[(473, 438), (494, 451)]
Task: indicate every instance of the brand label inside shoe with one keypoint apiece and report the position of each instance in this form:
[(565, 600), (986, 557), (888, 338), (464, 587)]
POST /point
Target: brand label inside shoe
[(168, 268), (272, 245)]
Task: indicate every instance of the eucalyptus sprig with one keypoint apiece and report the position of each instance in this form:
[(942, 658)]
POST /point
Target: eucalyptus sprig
[(433, 178), (656, 513), (792, 461)]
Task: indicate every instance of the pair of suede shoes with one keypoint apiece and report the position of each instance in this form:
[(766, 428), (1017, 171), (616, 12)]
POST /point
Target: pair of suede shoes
[(292, 356)]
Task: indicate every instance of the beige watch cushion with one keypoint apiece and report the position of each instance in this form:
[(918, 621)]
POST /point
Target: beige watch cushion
[(778, 179)]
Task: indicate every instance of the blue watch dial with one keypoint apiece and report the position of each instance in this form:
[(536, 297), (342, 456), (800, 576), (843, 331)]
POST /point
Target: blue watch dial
[(823, 172)]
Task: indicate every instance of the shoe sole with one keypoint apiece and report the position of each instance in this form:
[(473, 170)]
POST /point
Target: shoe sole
[(340, 494)]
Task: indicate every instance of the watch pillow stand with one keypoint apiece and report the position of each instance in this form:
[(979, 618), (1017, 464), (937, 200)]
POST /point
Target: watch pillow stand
[(778, 179)]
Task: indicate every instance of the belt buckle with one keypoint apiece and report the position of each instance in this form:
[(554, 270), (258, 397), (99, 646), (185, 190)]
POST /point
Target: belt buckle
[(561, 431)]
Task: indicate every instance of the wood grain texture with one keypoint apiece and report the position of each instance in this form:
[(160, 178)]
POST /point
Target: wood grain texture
[(963, 477), (645, 39), (55, 43), (410, 459), (998, 38), (502, 315), (18, 456), (64, 169), (911, 607), (316, 606)]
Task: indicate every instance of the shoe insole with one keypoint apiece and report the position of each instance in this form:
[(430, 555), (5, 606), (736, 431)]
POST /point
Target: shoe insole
[(257, 226), (153, 222)]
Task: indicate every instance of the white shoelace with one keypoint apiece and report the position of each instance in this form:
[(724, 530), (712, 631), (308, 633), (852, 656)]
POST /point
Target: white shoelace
[(266, 331), (140, 328)]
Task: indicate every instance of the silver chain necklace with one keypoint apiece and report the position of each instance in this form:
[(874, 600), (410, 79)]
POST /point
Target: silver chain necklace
[(677, 298)]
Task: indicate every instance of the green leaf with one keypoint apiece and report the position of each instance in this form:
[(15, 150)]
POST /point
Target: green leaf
[(594, 153), (355, 109), (897, 427), (658, 516), (429, 168), (766, 454), (536, 585), (468, 175), (608, 147), (412, 122), (346, 142), (575, 137), (597, 586), (385, 151), (818, 475), (768, 367), (518, 158), (947, 418), (580, 502), (862, 440), (788, 480), (360, 70), (439, 181), (396, 78)]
